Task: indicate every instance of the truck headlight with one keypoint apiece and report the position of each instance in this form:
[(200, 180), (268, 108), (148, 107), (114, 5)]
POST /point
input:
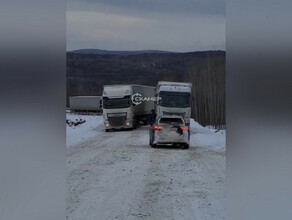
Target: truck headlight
[(128, 123)]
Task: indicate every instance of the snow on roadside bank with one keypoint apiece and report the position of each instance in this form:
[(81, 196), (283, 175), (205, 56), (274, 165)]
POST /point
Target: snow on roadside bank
[(207, 137), (200, 136), (92, 126)]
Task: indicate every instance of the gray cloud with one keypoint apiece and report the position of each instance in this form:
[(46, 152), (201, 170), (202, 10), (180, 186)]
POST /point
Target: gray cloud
[(163, 24), (167, 6)]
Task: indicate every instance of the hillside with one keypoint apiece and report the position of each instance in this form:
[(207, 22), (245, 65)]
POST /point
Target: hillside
[(121, 53), (87, 73)]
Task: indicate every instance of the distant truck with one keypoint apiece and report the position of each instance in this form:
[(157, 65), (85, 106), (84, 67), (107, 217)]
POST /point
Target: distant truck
[(85, 103), (123, 106), (174, 99)]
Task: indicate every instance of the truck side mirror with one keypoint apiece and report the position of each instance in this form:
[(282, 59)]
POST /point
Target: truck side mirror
[(100, 103)]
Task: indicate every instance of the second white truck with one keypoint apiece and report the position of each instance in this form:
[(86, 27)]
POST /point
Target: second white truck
[(125, 106), (175, 99)]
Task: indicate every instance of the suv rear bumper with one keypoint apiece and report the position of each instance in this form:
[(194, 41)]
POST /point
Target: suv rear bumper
[(171, 139)]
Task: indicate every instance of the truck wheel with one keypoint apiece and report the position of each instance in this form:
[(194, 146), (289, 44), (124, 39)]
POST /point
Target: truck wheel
[(153, 145), (106, 130), (186, 146)]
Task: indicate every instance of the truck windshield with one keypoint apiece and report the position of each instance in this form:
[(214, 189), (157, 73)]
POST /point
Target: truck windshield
[(124, 102), (175, 99)]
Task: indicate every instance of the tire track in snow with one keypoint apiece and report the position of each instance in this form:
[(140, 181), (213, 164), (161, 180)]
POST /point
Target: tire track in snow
[(118, 175)]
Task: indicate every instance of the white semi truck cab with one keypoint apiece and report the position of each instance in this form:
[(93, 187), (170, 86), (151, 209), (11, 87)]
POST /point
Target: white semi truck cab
[(119, 110), (174, 99), (117, 107)]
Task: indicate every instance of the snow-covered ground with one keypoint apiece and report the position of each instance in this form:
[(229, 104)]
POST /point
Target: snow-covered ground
[(117, 175), (202, 136), (83, 132), (207, 137)]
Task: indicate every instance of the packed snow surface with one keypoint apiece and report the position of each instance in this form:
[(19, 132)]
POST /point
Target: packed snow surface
[(83, 132), (117, 175)]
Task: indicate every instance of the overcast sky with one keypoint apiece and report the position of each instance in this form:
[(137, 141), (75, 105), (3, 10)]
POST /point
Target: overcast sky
[(173, 25)]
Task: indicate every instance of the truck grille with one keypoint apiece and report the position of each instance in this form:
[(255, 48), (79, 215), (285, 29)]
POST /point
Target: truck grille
[(117, 119)]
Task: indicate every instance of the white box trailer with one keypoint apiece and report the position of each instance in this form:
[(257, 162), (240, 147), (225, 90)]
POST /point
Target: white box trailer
[(146, 104), (85, 103)]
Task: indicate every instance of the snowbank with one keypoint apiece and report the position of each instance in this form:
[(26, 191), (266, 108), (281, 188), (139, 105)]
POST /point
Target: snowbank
[(93, 126), (200, 136), (207, 137)]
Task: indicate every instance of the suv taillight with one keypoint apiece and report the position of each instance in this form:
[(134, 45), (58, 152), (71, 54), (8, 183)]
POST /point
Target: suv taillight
[(157, 127), (185, 128)]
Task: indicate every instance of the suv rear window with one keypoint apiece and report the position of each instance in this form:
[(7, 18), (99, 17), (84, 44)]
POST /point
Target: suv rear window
[(171, 121)]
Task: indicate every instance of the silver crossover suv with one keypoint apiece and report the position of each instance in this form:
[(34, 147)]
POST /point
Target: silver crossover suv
[(169, 130)]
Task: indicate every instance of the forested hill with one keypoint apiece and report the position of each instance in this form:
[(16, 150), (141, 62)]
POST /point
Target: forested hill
[(87, 73), (119, 52)]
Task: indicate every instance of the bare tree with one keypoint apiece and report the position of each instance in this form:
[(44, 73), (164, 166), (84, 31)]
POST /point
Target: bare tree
[(208, 95)]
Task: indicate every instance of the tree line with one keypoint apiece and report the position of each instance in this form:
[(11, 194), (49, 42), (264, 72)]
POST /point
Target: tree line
[(208, 77)]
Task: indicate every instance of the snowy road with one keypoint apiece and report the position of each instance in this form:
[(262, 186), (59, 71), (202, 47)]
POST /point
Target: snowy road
[(117, 175)]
